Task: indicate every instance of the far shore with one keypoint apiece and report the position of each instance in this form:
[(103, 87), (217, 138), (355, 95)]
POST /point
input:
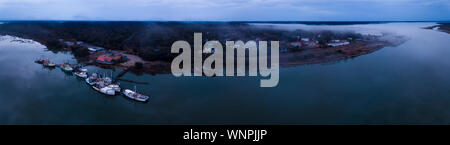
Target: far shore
[(443, 27), (316, 55), (287, 59), (332, 54), (147, 46)]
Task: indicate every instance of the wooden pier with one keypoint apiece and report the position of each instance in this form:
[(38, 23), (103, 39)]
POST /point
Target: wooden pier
[(118, 78), (121, 73), (132, 81)]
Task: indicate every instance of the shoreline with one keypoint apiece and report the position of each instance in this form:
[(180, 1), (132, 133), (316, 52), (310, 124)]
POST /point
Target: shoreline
[(335, 54), (308, 56), (287, 59), (133, 46), (441, 27)]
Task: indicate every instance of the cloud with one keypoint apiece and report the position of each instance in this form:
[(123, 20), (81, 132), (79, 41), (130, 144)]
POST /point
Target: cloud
[(226, 9)]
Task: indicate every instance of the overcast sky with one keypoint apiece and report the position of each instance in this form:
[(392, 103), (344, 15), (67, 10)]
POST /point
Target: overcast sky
[(226, 10)]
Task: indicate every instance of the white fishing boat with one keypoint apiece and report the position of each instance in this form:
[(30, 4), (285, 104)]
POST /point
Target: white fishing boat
[(107, 80), (81, 74), (104, 85), (135, 95), (51, 64), (105, 90), (68, 69), (115, 87), (48, 63), (91, 80)]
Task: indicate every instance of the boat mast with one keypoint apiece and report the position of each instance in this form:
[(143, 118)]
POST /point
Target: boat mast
[(134, 95)]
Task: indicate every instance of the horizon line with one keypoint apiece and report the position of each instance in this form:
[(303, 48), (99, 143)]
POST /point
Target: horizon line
[(43, 20)]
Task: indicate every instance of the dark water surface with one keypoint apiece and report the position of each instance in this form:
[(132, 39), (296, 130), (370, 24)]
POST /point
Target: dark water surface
[(407, 84)]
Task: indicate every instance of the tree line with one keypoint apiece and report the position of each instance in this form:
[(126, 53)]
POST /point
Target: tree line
[(152, 40)]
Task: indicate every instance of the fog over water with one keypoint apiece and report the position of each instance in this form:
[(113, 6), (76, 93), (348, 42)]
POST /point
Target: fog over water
[(227, 10), (407, 84)]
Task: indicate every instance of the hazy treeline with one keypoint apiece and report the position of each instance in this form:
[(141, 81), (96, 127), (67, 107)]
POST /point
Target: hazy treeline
[(152, 40)]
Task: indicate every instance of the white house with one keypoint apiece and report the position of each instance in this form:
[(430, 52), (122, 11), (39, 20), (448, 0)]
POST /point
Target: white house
[(334, 44)]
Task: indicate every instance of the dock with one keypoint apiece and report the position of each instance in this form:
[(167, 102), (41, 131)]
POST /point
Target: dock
[(132, 81), (122, 73), (118, 78)]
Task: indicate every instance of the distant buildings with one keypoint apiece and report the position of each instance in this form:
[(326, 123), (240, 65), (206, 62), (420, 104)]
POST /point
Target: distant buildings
[(110, 59), (68, 43), (91, 48), (335, 43), (296, 44), (311, 43), (95, 49), (305, 43), (103, 59)]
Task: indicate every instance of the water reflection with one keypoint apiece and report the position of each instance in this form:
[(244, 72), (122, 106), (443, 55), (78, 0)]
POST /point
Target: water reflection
[(407, 84)]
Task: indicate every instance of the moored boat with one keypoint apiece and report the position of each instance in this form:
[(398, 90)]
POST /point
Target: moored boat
[(91, 80), (115, 87), (106, 80), (81, 74), (104, 85), (66, 68), (48, 63), (135, 95), (105, 90), (39, 60), (79, 68)]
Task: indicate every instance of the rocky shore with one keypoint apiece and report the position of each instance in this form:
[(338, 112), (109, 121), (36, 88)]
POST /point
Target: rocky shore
[(443, 27)]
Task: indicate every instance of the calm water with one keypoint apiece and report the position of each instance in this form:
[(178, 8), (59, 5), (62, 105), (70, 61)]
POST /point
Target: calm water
[(408, 84)]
